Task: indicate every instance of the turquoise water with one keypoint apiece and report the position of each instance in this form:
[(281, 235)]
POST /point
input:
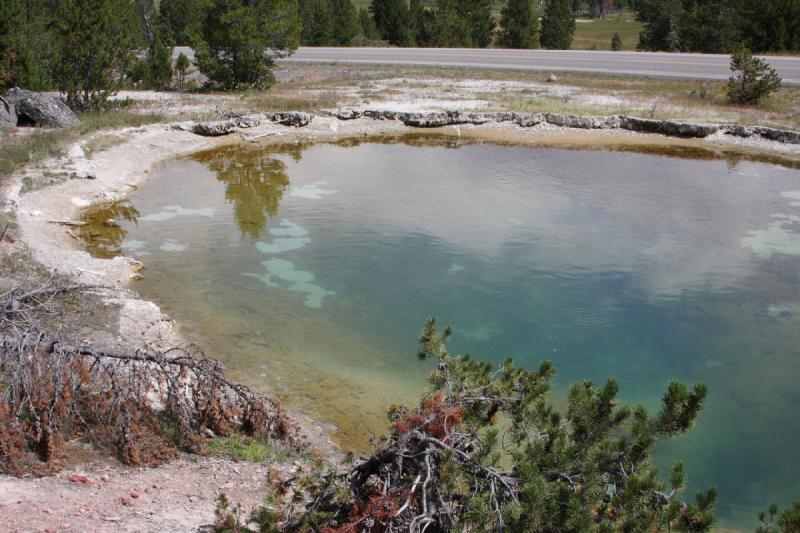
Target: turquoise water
[(310, 270)]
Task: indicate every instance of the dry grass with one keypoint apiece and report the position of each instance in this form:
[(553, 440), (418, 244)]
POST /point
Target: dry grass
[(18, 151), (99, 143)]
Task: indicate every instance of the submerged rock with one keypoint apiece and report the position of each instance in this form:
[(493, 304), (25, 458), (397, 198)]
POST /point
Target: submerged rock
[(297, 119), (8, 115), (214, 128), (41, 109)]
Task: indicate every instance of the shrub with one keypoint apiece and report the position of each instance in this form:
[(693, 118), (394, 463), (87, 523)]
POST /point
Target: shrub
[(753, 79), (616, 42)]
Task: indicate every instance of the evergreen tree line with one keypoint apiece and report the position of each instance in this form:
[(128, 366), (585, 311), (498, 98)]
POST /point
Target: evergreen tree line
[(715, 26), (469, 23), (88, 48)]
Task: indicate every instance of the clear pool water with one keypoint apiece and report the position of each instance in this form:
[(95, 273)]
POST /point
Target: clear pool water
[(310, 270)]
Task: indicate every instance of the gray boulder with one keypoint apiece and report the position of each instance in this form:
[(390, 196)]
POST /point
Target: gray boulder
[(41, 109), (8, 115), (297, 119), (214, 128)]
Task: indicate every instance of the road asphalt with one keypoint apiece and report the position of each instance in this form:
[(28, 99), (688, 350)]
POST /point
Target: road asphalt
[(692, 66)]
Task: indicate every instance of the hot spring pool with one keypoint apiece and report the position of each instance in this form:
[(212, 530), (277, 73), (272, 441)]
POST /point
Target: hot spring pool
[(310, 269)]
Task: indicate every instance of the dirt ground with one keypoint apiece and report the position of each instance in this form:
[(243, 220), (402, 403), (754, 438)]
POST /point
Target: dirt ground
[(104, 496)]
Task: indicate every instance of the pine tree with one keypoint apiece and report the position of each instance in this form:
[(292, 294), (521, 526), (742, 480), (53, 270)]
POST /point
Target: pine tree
[(478, 14), (616, 42), (753, 79), (27, 44), (558, 25), (486, 450), (159, 60), (317, 21), (95, 40), (182, 65), (180, 20), (345, 22), (367, 23), (237, 39), (519, 25), (393, 20), (451, 28)]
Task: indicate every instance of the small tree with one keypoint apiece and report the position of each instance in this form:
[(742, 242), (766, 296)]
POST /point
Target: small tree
[(616, 42), (159, 61), (182, 65), (753, 79), (558, 25), (486, 450), (519, 25)]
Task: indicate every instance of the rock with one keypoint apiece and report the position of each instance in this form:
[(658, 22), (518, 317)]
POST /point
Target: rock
[(297, 119), (572, 121), (41, 109), (8, 115), (783, 136), (79, 478), (667, 127), (214, 128), (134, 494), (447, 118), (528, 120), (347, 114), (248, 121), (552, 78)]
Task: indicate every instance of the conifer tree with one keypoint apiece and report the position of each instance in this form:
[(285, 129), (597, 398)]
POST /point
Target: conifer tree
[(182, 65), (180, 20), (393, 20), (317, 20), (451, 28), (616, 42), (27, 44), (485, 450), (96, 40), (367, 23), (345, 22), (478, 14), (558, 25), (238, 38), (159, 60), (519, 25), (753, 79)]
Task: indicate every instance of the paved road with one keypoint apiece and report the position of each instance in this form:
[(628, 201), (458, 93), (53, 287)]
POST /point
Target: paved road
[(698, 66)]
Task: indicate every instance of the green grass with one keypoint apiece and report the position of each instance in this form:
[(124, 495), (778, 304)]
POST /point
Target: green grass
[(245, 449), (597, 33)]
